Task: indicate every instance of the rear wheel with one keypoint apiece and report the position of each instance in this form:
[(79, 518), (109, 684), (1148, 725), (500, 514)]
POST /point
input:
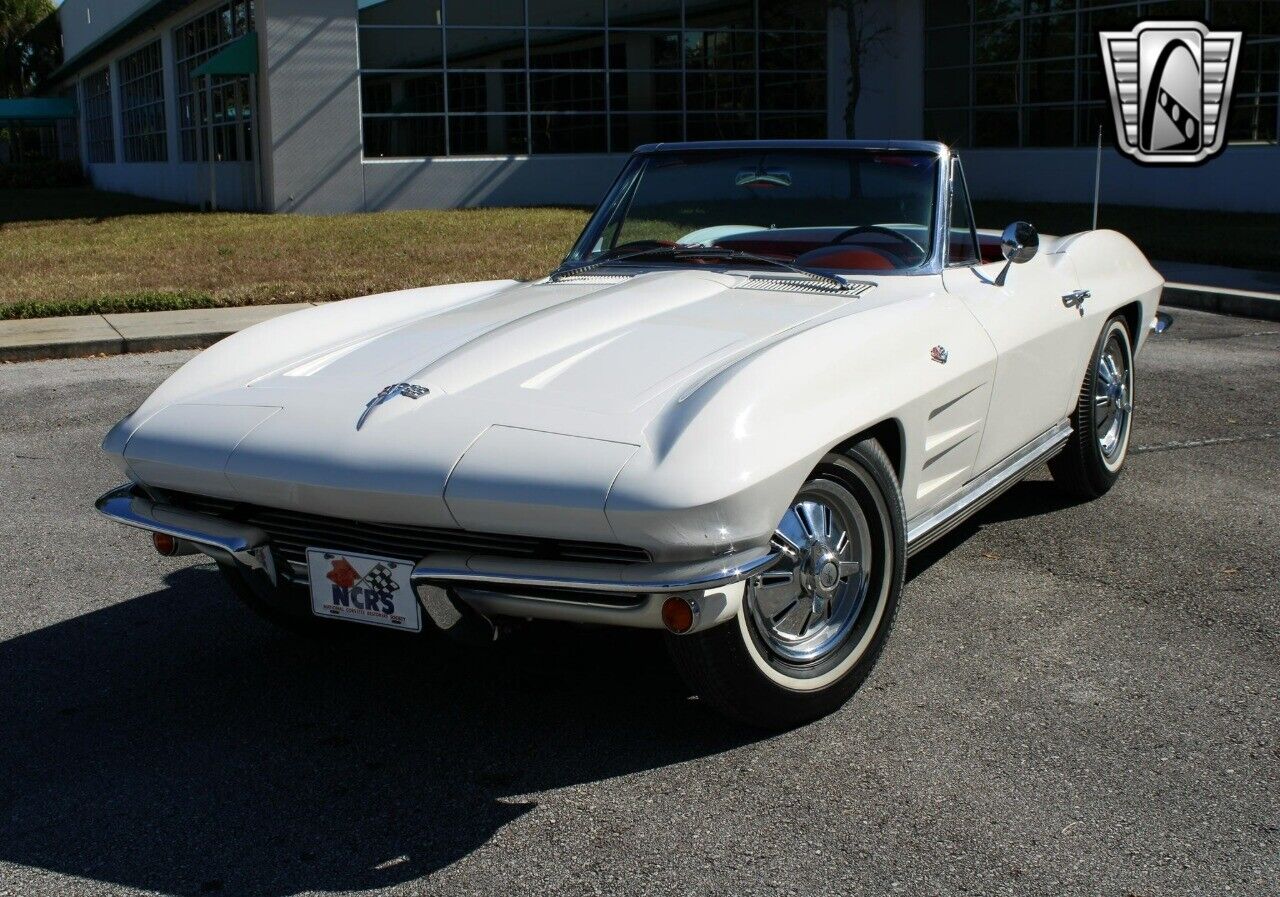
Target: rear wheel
[(1090, 463), (810, 629)]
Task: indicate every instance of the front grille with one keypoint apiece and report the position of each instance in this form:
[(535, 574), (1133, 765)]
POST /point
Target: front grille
[(292, 533)]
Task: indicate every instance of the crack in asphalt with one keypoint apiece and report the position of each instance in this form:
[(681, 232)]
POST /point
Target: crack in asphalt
[(1197, 443)]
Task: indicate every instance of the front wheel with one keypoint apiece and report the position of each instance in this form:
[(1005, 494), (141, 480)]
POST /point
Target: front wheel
[(1090, 463), (810, 629)]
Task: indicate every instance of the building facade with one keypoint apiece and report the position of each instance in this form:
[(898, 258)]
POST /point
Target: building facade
[(353, 105)]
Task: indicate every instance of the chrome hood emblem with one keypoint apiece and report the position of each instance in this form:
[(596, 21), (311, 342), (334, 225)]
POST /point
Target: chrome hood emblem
[(408, 390), (939, 354)]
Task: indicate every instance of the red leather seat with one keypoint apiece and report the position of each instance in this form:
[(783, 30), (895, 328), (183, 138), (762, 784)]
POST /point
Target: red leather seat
[(852, 258)]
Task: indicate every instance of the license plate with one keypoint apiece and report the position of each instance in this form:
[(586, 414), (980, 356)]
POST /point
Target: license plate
[(363, 589)]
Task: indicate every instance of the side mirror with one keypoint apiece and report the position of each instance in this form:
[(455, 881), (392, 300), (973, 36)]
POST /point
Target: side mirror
[(1019, 243)]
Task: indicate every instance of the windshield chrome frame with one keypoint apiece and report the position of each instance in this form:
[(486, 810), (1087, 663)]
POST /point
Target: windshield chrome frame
[(627, 177)]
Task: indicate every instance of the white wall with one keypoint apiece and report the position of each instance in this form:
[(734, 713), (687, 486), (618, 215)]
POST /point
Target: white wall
[(84, 21), (311, 105), (184, 182)]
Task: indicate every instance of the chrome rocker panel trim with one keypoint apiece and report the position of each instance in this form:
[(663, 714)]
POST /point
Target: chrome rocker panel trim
[(982, 490)]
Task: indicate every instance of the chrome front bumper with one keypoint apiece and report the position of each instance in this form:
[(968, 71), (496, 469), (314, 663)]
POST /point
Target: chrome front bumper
[(493, 585)]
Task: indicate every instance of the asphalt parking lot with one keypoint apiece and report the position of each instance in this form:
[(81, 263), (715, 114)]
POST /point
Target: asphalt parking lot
[(1076, 700)]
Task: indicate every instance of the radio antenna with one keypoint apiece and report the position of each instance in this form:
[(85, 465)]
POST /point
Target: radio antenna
[(1097, 179)]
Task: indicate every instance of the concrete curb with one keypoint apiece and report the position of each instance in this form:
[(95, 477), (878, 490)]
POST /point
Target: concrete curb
[(1223, 300), (82, 335)]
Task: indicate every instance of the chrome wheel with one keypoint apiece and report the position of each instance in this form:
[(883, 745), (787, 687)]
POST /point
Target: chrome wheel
[(803, 608), (1113, 398)]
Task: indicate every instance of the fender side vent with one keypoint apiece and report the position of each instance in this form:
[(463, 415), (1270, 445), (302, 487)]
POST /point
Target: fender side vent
[(801, 285)]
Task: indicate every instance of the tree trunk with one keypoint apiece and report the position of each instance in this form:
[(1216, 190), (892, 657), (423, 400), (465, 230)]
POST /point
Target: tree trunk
[(851, 100), (853, 33)]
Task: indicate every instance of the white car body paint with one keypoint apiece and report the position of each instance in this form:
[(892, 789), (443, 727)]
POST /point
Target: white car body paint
[(677, 411)]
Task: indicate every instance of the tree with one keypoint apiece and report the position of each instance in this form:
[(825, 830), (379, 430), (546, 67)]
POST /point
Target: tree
[(865, 33), (25, 57)]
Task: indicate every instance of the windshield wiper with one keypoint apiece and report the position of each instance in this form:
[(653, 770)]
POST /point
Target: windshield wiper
[(697, 250)]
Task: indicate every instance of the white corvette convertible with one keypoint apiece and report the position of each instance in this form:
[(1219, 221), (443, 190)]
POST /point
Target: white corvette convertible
[(765, 374)]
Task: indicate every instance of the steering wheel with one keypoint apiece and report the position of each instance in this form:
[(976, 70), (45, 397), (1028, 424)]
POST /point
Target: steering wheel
[(878, 229)]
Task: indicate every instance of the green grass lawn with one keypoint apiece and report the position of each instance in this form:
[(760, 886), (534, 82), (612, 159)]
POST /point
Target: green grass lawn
[(78, 251)]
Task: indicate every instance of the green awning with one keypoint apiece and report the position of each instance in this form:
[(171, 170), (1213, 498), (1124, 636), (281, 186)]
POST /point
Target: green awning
[(37, 109), (239, 57)]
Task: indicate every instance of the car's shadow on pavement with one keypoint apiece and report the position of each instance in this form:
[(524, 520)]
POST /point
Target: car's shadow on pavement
[(175, 743)]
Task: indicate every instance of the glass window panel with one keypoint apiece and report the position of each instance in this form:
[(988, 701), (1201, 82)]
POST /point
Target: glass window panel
[(997, 9), (739, 126), (142, 105), (995, 85), (720, 49), (1259, 68), (946, 88), (645, 91), (399, 12), (719, 14), (406, 136), (554, 133), (1049, 36), (401, 48), (486, 92), (644, 50), (961, 249), (644, 13), (1048, 126), (720, 91), (1035, 7), (809, 126), (630, 131), (995, 127), (566, 49), (402, 93), (1252, 119), (1050, 82), (579, 13), (485, 12), (995, 42), (951, 126), (797, 92), (799, 51), (1174, 9), (485, 48), (488, 135), (566, 91), (947, 12), (798, 15), (946, 46)]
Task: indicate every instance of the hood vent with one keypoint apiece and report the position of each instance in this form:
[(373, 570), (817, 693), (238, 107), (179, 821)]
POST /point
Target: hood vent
[(798, 285), (590, 278)]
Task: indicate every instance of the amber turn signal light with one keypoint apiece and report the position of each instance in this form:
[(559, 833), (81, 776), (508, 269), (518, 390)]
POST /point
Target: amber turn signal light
[(679, 614)]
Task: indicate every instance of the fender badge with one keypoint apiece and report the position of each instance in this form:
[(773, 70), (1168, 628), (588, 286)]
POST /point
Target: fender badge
[(408, 390), (939, 354)]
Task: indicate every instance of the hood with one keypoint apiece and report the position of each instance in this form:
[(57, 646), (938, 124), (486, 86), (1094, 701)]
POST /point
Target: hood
[(596, 347), (547, 381)]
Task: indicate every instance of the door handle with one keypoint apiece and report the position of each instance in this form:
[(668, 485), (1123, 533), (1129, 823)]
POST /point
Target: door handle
[(1075, 299)]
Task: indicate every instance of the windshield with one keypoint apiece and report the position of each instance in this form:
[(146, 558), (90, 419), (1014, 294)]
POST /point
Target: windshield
[(839, 210)]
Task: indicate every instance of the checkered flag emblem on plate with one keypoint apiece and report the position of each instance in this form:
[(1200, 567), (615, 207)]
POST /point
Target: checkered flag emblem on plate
[(378, 579)]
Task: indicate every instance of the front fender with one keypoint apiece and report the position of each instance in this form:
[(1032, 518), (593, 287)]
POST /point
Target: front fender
[(720, 466)]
